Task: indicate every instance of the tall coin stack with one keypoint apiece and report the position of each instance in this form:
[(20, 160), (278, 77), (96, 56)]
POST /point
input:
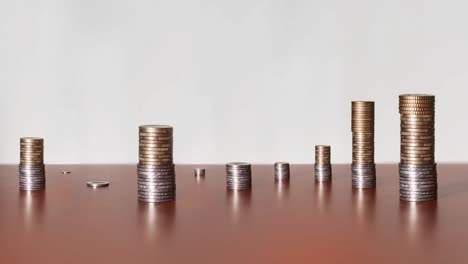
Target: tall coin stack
[(238, 176), (418, 171), (156, 171), (323, 169), (281, 170), (362, 126), (31, 167)]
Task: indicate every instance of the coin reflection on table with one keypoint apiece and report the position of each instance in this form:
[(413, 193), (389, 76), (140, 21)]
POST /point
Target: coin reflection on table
[(239, 202), (156, 220), (32, 205), (364, 201), (199, 174), (419, 221), (282, 190), (323, 193)]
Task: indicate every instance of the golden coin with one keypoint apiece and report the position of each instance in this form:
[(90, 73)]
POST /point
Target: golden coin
[(155, 127), (31, 139), (154, 134)]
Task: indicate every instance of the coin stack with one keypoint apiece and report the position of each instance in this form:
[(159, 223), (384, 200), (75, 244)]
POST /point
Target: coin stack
[(156, 171), (362, 126), (238, 176), (418, 170), (323, 170), (281, 170), (31, 167)]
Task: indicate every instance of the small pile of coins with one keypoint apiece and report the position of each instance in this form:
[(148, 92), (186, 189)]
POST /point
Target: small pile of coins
[(199, 172), (238, 176), (323, 169), (31, 167), (362, 127), (281, 170), (156, 170), (418, 170)]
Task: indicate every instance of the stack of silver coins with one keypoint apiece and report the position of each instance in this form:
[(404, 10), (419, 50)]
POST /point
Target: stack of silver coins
[(238, 176), (418, 170), (156, 170), (323, 169), (31, 167), (281, 170), (362, 127)]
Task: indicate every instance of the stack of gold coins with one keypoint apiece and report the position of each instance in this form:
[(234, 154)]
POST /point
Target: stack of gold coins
[(323, 170), (418, 170), (31, 167), (156, 171), (362, 127)]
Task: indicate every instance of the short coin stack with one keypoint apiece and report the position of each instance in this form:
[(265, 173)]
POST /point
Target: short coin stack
[(323, 169), (281, 170), (418, 171), (238, 176), (31, 167), (362, 126), (156, 172)]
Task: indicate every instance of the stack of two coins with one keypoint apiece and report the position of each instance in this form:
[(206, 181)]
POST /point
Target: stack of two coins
[(156, 171), (281, 170), (238, 176), (323, 170), (31, 167), (362, 127), (418, 171)]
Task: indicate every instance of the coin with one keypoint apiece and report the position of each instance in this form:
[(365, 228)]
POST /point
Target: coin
[(97, 184), (156, 171), (199, 172), (238, 175)]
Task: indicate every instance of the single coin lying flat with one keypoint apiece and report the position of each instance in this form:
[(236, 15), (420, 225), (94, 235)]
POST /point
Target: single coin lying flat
[(97, 184)]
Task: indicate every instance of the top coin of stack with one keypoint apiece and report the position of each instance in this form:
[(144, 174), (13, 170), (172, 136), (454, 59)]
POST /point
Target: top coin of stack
[(31, 151), (417, 129), (155, 145), (362, 126), (322, 155)]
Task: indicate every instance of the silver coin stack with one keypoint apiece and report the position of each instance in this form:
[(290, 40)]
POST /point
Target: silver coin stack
[(156, 170), (418, 170), (362, 127), (31, 167), (281, 170), (238, 176), (323, 169)]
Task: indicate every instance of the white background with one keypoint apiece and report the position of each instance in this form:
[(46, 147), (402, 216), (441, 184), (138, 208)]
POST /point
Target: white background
[(256, 81)]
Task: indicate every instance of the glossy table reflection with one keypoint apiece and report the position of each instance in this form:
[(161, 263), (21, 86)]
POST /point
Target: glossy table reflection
[(299, 221)]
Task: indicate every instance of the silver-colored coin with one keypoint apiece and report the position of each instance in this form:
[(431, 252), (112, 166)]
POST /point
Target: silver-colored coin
[(161, 183), (97, 184), (156, 187), (155, 167), (156, 174), (199, 171)]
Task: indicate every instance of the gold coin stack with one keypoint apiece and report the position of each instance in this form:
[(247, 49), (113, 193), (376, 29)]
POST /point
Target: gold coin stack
[(362, 127), (418, 170), (323, 170), (31, 167), (156, 171)]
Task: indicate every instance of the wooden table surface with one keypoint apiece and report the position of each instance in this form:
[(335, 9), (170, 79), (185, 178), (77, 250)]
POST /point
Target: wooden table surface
[(276, 222)]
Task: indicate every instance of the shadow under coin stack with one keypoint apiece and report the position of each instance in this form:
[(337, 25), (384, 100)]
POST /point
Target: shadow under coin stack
[(323, 169), (238, 176), (418, 171), (156, 171), (281, 170), (362, 126), (31, 167)]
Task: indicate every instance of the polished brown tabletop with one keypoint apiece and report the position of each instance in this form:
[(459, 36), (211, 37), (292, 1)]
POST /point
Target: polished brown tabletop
[(276, 222)]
